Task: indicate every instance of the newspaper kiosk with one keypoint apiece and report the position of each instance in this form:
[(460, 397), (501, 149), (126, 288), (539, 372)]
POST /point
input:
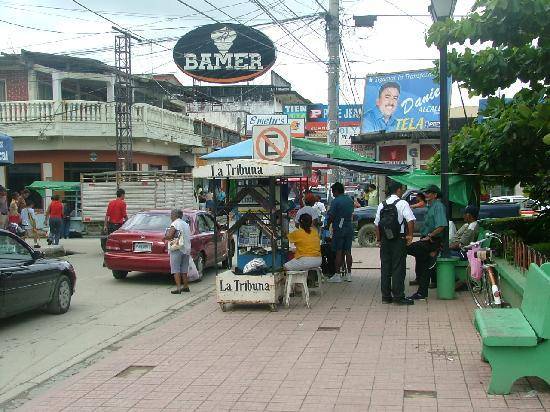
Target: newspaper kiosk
[(259, 202)]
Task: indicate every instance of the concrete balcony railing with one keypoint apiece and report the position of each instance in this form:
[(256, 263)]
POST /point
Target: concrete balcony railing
[(89, 118)]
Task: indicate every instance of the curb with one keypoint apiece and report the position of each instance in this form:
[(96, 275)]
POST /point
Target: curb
[(19, 391)]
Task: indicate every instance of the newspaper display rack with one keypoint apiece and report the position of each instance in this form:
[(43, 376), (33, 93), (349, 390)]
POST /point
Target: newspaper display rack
[(258, 198)]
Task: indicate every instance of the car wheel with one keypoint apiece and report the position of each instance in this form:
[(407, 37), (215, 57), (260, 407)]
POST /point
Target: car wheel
[(199, 263), (367, 235), (120, 274), (61, 300), (226, 264)]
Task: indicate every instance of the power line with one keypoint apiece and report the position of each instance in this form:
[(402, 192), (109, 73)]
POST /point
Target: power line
[(299, 42), (40, 29)]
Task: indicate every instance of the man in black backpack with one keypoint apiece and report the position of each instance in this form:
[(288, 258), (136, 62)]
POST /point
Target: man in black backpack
[(394, 230)]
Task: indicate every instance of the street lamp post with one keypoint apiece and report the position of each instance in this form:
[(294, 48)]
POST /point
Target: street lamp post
[(442, 10)]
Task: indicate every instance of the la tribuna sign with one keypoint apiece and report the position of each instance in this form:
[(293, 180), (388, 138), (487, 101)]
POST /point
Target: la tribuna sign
[(224, 53)]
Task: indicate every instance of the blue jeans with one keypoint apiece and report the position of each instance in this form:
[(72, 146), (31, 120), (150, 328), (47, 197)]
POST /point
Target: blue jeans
[(56, 224), (66, 227)]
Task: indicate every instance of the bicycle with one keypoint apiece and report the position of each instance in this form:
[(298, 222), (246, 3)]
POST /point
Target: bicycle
[(482, 279)]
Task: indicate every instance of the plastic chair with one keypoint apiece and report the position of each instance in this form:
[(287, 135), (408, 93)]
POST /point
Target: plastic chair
[(296, 277)]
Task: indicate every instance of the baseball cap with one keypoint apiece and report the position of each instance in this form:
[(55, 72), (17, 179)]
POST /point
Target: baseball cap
[(432, 189)]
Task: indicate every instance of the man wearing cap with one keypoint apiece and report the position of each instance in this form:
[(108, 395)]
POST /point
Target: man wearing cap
[(467, 233), (432, 236), (393, 252)]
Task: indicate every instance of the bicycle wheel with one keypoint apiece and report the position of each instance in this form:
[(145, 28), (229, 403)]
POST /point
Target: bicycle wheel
[(477, 289)]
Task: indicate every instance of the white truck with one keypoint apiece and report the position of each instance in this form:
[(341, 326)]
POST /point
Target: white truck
[(144, 190)]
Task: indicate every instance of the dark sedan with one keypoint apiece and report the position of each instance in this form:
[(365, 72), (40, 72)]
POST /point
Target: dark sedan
[(29, 281)]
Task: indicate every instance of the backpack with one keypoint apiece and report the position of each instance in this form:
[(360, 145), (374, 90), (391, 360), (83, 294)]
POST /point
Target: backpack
[(389, 224)]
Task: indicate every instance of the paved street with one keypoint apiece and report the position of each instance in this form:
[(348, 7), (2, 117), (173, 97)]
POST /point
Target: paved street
[(37, 345), (348, 352)]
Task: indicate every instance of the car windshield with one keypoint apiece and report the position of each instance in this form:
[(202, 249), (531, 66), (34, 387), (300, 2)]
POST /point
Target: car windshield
[(148, 222), (12, 249)]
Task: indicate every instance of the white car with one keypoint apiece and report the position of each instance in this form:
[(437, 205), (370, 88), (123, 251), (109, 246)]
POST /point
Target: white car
[(507, 199)]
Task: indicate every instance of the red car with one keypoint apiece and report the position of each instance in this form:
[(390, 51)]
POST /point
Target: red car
[(139, 246)]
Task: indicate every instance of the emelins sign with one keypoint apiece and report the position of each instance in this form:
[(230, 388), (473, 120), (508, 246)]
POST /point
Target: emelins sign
[(224, 53)]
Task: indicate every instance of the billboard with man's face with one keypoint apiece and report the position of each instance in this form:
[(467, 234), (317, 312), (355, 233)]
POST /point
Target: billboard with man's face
[(405, 101)]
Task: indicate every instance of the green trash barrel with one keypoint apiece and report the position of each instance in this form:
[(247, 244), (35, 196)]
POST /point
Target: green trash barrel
[(446, 277)]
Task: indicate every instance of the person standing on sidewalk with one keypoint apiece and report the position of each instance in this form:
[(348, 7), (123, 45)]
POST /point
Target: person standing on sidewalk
[(116, 213), (432, 237), (3, 207), (394, 224), (179, 249), (54, 215), (28, 222), (339, 215)]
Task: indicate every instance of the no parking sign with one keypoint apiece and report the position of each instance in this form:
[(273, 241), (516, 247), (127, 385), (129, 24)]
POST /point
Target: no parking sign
[(272, 143)]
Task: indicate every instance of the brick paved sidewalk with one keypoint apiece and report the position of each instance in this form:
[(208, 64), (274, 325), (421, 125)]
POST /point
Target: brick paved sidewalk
[(369, 356)]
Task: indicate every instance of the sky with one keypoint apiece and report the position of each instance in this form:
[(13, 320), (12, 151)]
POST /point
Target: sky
[(395, 43)]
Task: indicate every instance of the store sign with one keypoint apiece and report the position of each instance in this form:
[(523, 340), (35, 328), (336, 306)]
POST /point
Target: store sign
[(6, 149), (405, 101), (224, 53), (295, 111), (317, 116), (345, 134), (272, 143), (245, 169), (264, 120), (297, 127)]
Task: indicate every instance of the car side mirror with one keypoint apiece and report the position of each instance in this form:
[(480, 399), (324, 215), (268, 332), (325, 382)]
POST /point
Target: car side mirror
[(37, 254)]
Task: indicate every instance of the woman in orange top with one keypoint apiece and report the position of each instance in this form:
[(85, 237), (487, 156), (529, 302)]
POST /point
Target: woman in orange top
[(308, 246), (55, 216)]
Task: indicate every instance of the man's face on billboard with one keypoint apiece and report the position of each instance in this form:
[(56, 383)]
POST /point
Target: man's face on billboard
[(387, 102)]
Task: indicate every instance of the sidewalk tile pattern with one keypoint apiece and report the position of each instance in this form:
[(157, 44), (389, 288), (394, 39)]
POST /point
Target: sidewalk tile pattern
[(251, 359)]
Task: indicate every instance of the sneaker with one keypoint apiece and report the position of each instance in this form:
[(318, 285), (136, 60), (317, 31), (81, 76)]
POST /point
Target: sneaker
[(413, 283), (347, 277), (175, 292), (403, 301), (37, 246), (185, 290), (417, 296), (387, 300), (335, 279)]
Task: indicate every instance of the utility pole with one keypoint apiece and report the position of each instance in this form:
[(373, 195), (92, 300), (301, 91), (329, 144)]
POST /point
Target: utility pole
[(333, 45), (123, 98)]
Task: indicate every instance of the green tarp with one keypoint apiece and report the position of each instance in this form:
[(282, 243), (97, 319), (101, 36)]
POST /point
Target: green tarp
[(461, 188), (40, 186), (327, 150)]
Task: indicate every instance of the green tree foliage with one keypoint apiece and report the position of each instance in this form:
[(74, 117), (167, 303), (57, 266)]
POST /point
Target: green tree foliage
[(508, 147)]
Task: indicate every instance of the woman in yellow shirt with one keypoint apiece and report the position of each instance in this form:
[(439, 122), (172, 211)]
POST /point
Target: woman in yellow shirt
[(308, 246)]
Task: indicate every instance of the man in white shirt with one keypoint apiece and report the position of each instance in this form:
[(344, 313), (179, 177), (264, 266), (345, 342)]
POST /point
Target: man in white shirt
[(309, 209), (394, 230)]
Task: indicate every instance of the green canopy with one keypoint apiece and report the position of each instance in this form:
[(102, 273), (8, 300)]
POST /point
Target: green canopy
[(461, 188), (327, 150), (40, 186)]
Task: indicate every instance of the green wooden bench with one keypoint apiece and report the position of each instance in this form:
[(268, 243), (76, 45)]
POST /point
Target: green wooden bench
[(516, 342)]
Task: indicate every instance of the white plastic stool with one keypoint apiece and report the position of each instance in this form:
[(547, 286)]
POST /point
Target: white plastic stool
[(295, 277), (319, 273)]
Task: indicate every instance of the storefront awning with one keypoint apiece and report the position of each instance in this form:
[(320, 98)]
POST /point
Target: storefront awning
[(310, 151), (461, 188), (40, 185)]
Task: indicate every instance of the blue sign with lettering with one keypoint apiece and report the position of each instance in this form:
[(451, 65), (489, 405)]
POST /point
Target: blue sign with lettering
[(405, 101), (6, 149)]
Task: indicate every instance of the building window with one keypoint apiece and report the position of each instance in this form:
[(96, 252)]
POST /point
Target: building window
[(72, 170), (2, 90)]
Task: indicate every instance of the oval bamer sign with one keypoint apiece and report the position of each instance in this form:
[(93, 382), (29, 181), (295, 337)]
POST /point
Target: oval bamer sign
[(224, 53)]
